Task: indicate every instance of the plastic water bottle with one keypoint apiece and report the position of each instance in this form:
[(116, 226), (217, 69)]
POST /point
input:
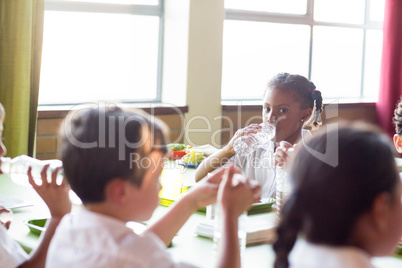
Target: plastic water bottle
[(242, 233), (283, 188), (246, 144), (283, 185), (17, 169)]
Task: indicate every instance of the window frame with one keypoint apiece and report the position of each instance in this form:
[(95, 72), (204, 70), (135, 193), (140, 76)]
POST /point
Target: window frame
[(306, 19), (111, 8)]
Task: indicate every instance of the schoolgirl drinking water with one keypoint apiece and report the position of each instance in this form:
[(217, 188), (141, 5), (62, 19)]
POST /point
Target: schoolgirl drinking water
[(343, 211), (290, 102)]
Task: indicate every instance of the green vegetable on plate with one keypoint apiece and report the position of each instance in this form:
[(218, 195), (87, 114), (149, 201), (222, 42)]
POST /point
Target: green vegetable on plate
[(177, 147)]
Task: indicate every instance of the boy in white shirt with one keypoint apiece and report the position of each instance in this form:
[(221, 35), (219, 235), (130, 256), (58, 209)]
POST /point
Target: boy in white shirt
[(112, 159)]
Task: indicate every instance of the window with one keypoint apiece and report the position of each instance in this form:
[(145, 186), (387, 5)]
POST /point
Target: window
[(335, 43), (101, 50)]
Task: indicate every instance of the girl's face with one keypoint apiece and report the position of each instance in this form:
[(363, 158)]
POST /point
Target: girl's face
[(3, 149), (281, 109)]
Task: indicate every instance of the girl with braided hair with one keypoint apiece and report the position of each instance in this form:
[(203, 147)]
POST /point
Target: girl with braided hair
[(291, 103), (341, 214)]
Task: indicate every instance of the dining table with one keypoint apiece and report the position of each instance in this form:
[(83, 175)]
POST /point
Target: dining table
[(186, 246)]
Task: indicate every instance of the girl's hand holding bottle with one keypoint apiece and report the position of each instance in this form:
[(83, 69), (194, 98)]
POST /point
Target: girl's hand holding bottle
[(250, 138), (281, 154), (249, 130)]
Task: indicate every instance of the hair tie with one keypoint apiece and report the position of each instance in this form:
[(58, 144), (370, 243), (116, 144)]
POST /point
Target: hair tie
[(312, 86), (313, 91)]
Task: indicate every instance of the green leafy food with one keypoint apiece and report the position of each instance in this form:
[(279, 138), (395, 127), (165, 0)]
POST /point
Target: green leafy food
[(177, 147)]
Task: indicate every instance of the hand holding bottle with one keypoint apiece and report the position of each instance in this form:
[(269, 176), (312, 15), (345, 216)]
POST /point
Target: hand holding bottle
[(253, 137), (281, 155), (55, 196), (17, 168), (249, 130)]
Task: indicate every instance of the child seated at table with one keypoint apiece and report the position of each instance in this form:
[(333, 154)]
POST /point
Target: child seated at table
[(291, 103), (112, 159), (397, 120), (56, 198), (344, 211)]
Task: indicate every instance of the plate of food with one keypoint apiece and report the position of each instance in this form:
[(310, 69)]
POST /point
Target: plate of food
[(177, 150), (192, 159)]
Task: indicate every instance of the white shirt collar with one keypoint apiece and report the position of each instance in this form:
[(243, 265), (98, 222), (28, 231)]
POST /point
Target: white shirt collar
[(306, 254)]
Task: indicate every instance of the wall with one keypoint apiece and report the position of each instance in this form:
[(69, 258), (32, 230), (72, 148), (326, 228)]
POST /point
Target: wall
[(48, 144), (204, 72)]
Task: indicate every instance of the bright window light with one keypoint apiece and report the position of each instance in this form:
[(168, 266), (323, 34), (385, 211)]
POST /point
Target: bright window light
[(340, 11), (123, 2), (377, 10), (335, 43), (98, 56), (280, 6), (337, 61), (253, 53), (372, 63)]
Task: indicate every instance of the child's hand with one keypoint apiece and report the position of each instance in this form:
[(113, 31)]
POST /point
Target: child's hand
[(7, 223), (251, 129), (237, 197), (281, 153), (55, 196), (205, 192)]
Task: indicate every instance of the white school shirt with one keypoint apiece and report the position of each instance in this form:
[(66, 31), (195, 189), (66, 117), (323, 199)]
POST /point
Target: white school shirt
[(259, 166), (11, 254), (89, 239), (309, 255)]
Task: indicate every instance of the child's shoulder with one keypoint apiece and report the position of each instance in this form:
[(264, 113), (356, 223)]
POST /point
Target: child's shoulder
[(99, 229), (90, 236)]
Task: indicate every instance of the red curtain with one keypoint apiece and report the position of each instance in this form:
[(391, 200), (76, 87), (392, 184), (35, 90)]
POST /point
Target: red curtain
[(391, 66)]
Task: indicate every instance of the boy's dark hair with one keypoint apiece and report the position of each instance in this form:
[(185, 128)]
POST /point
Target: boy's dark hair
[(304, 90), (101, 144), (327, 201)]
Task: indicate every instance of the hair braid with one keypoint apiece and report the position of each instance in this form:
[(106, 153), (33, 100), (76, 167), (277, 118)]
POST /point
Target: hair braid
[(317, 98), (288, 228)]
